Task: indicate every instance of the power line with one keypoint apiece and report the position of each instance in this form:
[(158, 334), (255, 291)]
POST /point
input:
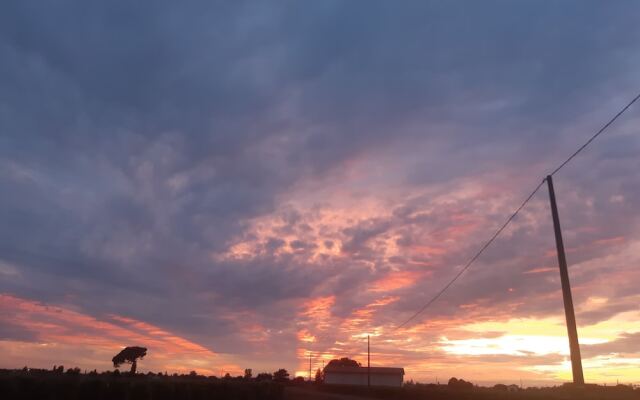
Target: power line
[(482, 249), (515, 213), (588, 142)]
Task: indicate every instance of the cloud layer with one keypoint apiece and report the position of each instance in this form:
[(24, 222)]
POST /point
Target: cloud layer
[(268, 180)]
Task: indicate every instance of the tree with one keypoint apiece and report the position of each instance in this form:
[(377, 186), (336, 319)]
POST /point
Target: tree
[(281, 375), (264, 376), (129, 355), (343, 362), (319, 376), (455, 383), (248, 373)]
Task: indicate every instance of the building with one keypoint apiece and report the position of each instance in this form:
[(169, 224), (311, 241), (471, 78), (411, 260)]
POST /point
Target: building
[(380, 376)]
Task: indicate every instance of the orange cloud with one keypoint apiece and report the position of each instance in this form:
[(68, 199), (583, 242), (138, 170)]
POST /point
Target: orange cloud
[(318, 310), (396, 280), (540, 270), (55, 334), (306, 336), (610, 241)]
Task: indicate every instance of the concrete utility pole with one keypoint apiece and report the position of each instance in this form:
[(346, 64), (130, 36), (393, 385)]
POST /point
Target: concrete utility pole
[(368, 361), (574, 346)]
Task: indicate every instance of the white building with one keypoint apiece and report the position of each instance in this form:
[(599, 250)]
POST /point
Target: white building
[(380, 376)]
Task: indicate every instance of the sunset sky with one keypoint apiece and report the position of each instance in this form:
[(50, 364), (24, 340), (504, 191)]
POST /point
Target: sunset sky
[(236, 184)]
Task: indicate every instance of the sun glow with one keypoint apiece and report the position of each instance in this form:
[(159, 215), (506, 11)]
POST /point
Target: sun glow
[(513, 345)]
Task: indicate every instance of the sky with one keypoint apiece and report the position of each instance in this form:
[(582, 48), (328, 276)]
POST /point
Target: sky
[(241, 184)]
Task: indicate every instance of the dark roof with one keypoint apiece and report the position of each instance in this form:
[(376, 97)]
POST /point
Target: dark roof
[(363, 370)]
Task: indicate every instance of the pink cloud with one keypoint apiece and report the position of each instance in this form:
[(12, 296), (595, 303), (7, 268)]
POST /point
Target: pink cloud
[(396, 280), (52, 329)]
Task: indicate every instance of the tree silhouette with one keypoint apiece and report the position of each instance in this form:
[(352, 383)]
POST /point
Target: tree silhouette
[(264, 376), (281, 375), (343, 362), (129, 355), (459, 384)]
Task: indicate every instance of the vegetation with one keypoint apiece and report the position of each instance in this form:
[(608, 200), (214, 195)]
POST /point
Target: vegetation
[(281, 375), (468, 391), (129, 355), (344, 362), (455, 383), (264, 377), (73, 385)]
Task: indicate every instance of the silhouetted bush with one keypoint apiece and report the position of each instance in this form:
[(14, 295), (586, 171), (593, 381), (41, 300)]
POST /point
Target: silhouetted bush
[(501, 387), (281, 375), (264, 377), (460, 384)]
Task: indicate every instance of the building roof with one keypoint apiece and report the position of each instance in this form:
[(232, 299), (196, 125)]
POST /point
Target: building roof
[(363, 370)]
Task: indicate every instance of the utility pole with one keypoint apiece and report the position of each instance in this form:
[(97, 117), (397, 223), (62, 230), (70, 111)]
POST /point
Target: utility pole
[(574, 346), (309, 366), (368, 361)]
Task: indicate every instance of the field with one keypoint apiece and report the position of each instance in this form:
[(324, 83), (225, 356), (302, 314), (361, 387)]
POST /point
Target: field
[(26, 386), (41, 385), (443, 392)]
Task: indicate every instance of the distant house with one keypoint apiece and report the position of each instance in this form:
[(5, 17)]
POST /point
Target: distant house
[(347, 375)]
